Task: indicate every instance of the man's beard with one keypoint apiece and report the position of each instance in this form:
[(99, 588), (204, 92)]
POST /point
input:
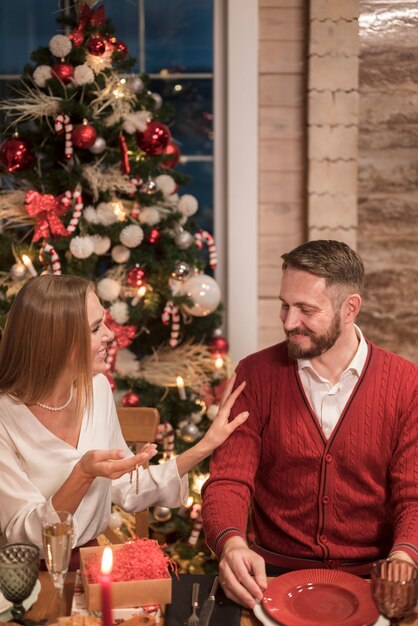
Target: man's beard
[(320, 343)]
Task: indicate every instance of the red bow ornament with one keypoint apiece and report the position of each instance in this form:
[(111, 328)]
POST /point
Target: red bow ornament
[(46, 209), (124, 334), (88, 17), (212, 394)]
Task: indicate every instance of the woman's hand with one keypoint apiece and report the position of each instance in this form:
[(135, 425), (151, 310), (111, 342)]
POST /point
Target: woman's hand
[(221, 428), (112, 464)]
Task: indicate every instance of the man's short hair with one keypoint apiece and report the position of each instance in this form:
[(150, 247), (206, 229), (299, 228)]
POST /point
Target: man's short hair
[(333, 260)]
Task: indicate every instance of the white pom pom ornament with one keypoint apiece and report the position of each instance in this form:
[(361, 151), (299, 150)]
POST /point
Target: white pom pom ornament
[(166, 184), (119, 312), (83, 74), (108, 289), (106, 215), (90, 215), (188, 205), (60, 45), (81, 247), (131, 236), (120, 254), (41, 74), (101, 244), (149, 215)]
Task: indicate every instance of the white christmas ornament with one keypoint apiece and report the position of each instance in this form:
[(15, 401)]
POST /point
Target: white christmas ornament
[(126, 363), (108, 289), (18, 271), (81, 247), (120, 312), (83, 74), (120, 254), (90, 215), (115, 520), (157, 100), (99, 146), (60, 45), (166, 184), (101, 244), (131, 236), (136, 121), (196, 418), (188, 205), (41, 74), (183, 239), (205, 293), (106, 214), (149, 215), (212, 412), (135, 84)]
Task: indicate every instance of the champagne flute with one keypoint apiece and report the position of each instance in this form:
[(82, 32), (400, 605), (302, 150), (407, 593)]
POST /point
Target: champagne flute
[(57, 531), (394, 588)]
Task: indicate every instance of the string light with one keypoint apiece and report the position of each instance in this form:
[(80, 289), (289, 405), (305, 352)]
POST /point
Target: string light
[(219, 363), (119, 210)]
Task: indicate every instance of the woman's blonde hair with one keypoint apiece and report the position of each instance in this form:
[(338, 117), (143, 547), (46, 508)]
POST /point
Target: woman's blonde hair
[(47, 326)]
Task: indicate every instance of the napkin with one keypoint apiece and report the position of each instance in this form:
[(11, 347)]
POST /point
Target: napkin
[(225, 612)]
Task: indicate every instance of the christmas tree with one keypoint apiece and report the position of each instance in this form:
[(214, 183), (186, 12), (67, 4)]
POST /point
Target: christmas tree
[(90, 187)]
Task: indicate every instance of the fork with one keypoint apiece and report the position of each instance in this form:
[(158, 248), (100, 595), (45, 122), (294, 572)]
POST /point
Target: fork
[(193, 620)]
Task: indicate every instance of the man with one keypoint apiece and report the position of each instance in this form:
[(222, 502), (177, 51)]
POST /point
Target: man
[(327, 462)]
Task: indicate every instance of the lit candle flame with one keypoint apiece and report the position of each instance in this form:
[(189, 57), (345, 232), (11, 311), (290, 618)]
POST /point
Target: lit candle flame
[(219, 363), (107, 560), (29, 265), (180, 387)]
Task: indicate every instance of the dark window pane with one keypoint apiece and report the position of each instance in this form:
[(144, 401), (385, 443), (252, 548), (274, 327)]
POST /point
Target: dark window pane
[(201, 186), (179, 35), (125, 18), (192, 121), (24, 26)]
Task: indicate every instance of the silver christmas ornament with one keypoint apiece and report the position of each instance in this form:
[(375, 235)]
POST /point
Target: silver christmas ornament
[(181, 271), (162, 513), (183, 239), (99, 146), (17, 271), (157, 100), (149, 187), (189, 432), (135, 84)]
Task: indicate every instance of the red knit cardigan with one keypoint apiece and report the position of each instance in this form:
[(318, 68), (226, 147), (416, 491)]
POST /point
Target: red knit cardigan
[(351, 497)]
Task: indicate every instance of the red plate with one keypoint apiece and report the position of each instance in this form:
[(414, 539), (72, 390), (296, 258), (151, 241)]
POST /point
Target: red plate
[(320, 597)]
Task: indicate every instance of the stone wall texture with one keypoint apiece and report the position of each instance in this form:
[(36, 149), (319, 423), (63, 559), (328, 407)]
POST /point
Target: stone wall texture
[(387, 236)]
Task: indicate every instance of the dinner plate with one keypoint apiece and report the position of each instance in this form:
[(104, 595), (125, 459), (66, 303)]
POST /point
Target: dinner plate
[(262, 616), (5, 605), (319, 597)]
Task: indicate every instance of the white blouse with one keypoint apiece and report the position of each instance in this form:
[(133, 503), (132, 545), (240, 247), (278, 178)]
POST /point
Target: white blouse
[(34, 463)]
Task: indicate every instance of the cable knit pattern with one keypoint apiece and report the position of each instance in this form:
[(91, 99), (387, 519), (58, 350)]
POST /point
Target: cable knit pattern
[(352, 497)]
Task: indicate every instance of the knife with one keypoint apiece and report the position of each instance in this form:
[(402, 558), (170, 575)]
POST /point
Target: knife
[(209, 603)]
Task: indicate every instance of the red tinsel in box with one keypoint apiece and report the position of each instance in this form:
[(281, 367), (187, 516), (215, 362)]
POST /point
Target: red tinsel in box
[(140, 575)]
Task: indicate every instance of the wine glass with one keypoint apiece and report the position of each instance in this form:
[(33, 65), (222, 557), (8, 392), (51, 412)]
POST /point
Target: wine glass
[(19, 568), (57, 532), (394, 588)]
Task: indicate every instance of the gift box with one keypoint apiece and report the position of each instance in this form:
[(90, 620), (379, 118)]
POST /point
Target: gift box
[(124, 594)]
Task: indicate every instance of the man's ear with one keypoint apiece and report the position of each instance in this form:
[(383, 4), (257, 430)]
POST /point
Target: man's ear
[(352, 307)]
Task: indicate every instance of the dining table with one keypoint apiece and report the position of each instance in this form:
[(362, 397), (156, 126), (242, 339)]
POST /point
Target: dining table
[(49, 606)]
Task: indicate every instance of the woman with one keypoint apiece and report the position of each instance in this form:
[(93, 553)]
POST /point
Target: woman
[(61, 446)]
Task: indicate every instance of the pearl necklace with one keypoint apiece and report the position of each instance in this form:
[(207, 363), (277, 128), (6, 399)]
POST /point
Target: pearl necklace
[(58, 408)]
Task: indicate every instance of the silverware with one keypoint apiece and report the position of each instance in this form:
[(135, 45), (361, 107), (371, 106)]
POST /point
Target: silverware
[(193, 619), (209, 603)]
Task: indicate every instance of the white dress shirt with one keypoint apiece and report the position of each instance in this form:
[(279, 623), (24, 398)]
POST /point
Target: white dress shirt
[(34, 463), (327, 400)]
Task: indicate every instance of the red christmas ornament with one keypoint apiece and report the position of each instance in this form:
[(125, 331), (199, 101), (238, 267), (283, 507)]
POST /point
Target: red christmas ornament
[(121, 49), (154, 236), (154, 140), (218, 346), (135, 277), (131, 399), (63, 71), (96, 46), (171, 155), (84, 136), (15, 154)]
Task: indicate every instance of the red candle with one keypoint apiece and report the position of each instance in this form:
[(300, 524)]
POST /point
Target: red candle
[(105, 581)]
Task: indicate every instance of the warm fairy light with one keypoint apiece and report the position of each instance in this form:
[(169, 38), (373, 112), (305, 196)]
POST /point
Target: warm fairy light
[(120, 91), (107, 560), (180, 387), (29, 265), (189, 502), (119, 210), (219, 362), (141, 291)]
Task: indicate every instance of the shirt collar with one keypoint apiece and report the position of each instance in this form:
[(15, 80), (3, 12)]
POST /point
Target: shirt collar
[(357, 362)]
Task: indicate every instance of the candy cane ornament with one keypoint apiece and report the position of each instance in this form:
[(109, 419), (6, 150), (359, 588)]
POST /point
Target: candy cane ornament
[(203, 235), (172, 311), (165, 436), (63, 123), (55, 260), (67, 200), (111, 356), (195, 514)]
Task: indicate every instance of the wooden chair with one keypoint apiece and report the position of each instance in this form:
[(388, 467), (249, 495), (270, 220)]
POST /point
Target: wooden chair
[(139, 426)]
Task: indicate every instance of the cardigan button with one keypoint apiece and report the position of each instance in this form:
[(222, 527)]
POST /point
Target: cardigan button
[(328, 458), (323, 538), (325, 499)]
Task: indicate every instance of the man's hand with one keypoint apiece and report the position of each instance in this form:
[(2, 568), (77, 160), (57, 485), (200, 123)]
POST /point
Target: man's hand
[(402, 556), (242, 573)]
